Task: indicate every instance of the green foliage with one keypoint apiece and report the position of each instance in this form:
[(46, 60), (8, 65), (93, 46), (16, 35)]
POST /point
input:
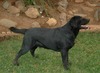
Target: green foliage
[(84, 57), (44, 4), (29, 2), (40, 2)]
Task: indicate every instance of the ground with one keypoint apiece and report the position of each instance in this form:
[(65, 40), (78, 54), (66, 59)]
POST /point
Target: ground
[(24, 22), (84, 57)]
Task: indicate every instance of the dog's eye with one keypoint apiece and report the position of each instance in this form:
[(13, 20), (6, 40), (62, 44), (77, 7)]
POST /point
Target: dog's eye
[(79, 22)]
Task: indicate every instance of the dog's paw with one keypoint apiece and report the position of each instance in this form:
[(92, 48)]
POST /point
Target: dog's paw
[(66, 68), (16, 63)]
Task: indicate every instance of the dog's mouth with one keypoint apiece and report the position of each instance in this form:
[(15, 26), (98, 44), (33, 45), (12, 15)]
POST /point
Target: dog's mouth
[(84, 27)]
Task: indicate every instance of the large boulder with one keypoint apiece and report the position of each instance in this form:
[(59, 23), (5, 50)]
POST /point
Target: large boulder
[(7, 23), (32, 12), (13, 10)]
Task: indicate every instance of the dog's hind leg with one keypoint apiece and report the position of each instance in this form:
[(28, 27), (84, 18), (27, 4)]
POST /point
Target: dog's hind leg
[(32, 50), (25, 48), (20, 53)]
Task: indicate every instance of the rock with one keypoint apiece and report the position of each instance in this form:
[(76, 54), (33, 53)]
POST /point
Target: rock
[(79, 1), (17, 14), (61, 9), (13, 10), (75, 10), (70, 12), (80, 14), (42, 16), (97, 15), (7, 23), (20, 5), (63, 18), (63, 3), (87, 9), (89, 4), (8, 32), (3, 32), (98, 5), (11, 1), (51, 22), (32, 12), (36, 24), (6, 4)]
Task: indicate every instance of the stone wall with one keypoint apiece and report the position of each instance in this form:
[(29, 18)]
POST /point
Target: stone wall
[(85, 8), (35, 17), (66, 9)]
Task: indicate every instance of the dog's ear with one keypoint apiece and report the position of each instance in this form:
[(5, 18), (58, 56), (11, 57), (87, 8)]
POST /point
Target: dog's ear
[(74, 18), (74, 21)]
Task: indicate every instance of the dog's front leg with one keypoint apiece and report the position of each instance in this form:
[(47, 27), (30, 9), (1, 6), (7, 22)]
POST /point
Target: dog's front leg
[(64, 54)]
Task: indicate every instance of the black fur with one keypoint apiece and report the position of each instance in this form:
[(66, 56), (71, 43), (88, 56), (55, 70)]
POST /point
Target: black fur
[(58, 39)]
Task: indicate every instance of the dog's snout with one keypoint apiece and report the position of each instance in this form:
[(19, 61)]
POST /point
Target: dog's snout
[(88, 20)]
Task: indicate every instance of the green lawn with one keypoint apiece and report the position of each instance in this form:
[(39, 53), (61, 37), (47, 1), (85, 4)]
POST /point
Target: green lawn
[(84, 57)]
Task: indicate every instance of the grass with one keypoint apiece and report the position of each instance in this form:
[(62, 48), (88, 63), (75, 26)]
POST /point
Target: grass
[(29, 2), (84, 57)]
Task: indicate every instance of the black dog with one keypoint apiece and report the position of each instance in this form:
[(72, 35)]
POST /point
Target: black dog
[(58, 39)]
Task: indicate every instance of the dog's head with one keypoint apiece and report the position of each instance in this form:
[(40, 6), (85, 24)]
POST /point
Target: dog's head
[(78, 22)]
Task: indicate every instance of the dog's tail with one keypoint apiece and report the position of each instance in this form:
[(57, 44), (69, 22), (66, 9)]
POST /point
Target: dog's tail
[(16, 30)]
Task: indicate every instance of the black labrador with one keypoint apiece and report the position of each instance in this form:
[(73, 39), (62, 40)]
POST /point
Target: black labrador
[(59, 39)]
